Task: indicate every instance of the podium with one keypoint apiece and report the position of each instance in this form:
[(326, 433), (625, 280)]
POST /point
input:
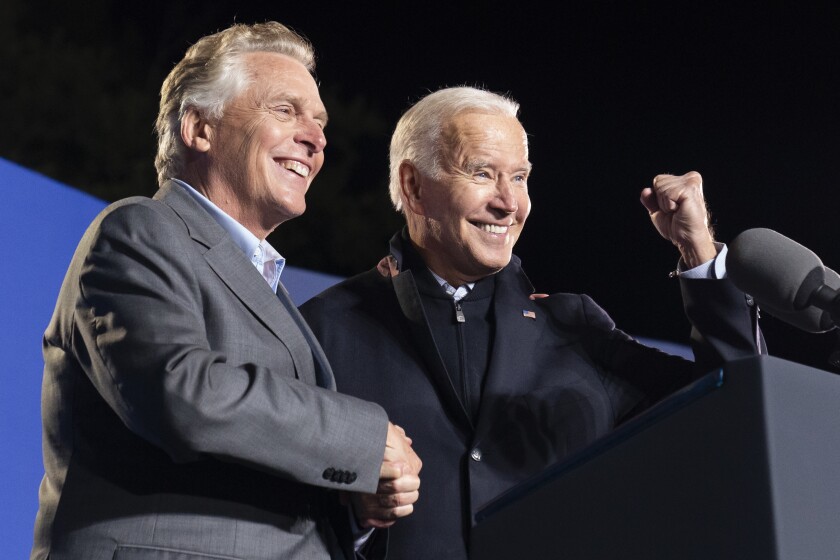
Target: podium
[(743, 464)]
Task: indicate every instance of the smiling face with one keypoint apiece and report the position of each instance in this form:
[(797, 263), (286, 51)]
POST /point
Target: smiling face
[(264, 152), (466, 221)]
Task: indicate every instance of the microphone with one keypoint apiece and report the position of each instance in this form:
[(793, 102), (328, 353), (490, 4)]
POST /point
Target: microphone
[(787, 280)]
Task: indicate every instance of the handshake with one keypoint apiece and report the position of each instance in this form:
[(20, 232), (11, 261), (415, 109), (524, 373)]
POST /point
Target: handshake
[(399, 484)]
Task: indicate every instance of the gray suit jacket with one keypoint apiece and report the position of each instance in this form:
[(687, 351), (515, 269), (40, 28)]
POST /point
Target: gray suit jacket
[(181, 413)]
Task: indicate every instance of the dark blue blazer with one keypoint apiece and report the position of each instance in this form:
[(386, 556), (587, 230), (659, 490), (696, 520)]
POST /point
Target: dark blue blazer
[(556, 382)]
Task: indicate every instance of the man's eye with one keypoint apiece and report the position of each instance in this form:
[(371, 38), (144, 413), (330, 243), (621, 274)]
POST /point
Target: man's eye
[(482, 175)]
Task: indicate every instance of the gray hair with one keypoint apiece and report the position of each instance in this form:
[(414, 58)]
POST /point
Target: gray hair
[(210, 75), (418, 135)]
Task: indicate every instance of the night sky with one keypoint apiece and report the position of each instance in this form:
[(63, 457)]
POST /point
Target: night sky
[(612, 93)]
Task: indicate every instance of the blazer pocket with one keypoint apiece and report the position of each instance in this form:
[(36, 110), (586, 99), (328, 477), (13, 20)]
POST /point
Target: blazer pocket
[(140, 552)]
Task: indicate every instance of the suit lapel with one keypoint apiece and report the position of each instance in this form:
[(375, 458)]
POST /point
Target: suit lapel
[(323, 372), (422, 339), (235, 270)]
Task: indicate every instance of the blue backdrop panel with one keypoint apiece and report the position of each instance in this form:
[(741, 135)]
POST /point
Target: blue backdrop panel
[(40, 223)]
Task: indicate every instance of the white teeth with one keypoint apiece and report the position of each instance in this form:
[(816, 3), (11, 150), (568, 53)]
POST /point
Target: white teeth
[(295, 166), (490, 228)]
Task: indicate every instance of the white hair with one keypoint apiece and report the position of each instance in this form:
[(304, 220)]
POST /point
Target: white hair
[(210, 75), (418, 135)]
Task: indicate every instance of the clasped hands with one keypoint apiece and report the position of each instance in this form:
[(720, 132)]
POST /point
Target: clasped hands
[(399, 484)]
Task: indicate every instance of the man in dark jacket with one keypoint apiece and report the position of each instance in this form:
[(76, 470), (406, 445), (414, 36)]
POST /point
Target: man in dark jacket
[(494, 382)]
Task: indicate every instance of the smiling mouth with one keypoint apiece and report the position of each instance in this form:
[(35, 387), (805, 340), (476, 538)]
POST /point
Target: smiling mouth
[(491, 228), (296, 167)]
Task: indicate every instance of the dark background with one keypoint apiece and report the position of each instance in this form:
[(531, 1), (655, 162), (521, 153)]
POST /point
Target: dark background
[(612, 93)]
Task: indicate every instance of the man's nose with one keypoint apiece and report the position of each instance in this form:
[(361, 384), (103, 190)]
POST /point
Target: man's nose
[(311, 135), (505, 196)]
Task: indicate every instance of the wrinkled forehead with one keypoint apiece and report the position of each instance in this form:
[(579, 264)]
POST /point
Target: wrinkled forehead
[(470, 132), (274, 75)]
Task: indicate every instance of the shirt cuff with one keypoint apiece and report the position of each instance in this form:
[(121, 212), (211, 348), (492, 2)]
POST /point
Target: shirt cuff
[(360, 535), (714, 269)]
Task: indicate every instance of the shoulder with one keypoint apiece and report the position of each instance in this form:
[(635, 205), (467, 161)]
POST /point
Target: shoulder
[(132, 213), (131, 231), (576, 310), (356, 299), (352, 291)]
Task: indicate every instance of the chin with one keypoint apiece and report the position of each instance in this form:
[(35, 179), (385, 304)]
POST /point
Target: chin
[(486, 269), (497, 263), (292, 207)]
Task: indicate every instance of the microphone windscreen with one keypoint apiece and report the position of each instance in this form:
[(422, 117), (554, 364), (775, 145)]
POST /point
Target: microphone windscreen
[(772, 268)]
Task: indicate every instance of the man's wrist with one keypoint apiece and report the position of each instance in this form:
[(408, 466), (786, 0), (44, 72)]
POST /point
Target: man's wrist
[(714, 268), (359, 533)]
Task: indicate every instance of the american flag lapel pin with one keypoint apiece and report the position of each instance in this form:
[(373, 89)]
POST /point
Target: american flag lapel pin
[(529, 314)]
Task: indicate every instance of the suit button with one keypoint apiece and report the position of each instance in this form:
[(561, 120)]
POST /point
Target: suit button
[(475, 454), (328, 474)]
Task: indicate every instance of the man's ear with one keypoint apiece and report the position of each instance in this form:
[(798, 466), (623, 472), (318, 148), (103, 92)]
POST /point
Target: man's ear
[(196, 131), (411, 186)]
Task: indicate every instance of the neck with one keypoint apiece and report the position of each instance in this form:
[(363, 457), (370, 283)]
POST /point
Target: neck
[(224, 197)]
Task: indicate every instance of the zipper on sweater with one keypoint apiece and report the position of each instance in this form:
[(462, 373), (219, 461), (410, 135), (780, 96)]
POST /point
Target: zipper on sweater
[(462, 362), (459, 313)]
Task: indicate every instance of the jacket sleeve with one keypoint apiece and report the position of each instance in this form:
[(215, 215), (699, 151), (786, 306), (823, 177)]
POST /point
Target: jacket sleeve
[(636, 375), (724, 322), (139, 331)]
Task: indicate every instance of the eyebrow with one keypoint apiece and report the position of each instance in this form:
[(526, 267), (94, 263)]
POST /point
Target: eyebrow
[(471, 166)]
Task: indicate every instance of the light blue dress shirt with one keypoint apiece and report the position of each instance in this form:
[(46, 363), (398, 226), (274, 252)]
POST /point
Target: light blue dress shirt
[(262, 255)]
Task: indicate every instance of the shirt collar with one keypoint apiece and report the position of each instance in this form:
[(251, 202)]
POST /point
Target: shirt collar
[(252, 246), (457, 293)]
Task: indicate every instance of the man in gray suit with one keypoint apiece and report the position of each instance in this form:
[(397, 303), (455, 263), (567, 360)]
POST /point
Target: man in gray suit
[(188, 411)]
